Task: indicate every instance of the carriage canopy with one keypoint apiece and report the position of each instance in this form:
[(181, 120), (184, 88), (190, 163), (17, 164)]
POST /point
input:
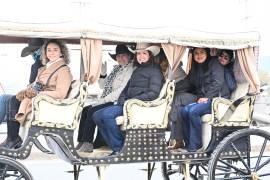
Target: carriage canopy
[(176, 25)]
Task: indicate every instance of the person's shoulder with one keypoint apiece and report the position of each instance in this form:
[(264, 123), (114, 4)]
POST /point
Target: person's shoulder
[(214, 61), (65, 68)]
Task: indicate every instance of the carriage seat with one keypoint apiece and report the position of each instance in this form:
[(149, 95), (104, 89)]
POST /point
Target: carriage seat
[(241, 113), (148, 114), (59, 113), (224, 113)]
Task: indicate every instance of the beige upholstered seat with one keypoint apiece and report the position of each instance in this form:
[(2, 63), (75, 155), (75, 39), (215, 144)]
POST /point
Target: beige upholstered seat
[(240, 115), (50, 112), (148, 114), (220, 106)]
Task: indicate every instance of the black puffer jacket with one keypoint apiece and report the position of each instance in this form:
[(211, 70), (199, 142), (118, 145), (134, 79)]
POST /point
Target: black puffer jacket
[(34, 70), (206, 81), (145, 84), (210, 83)]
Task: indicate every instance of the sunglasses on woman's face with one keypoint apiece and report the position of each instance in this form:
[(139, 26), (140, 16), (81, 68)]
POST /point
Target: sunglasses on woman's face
[(224, 57)]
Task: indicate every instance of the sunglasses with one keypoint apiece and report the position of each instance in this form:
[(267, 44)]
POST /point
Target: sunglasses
[(224, 57)]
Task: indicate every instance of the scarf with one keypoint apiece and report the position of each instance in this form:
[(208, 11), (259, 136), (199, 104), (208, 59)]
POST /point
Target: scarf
[(108, 84), (36, 55)]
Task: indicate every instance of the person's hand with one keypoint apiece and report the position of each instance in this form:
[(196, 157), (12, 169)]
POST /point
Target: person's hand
[(104, 69), (20, 95), (30, 93), (202, 100)]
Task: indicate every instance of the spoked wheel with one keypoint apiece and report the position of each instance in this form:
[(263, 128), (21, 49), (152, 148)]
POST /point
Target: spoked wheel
[(170, 170), (173, 171), (198, 171), (244, 154), (10, 169)]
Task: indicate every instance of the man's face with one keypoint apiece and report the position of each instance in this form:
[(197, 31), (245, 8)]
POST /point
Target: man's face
[(122, 59)]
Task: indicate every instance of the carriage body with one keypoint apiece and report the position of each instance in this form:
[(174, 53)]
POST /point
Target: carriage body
[(145, 133)]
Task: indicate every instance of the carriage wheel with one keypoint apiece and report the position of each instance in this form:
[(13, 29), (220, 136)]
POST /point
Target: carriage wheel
[(11, 169), (171, 171), (244, 154)]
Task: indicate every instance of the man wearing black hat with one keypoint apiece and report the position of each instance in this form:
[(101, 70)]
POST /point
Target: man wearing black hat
[(114, 84), (11, 104), (33, 48)]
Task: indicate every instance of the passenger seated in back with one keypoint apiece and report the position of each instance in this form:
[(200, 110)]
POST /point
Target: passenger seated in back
[(225, 58), (181, 98), (145, 84), (162, 60), (207, 79)]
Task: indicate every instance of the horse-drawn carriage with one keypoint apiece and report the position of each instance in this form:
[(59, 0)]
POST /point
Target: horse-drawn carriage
[(233, 148)]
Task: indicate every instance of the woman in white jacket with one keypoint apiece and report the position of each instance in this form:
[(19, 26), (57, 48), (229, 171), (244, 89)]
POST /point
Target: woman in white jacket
[(114, 84)]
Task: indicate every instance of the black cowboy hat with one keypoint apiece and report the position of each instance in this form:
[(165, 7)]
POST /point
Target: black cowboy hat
[(120, 49), (33, 45)]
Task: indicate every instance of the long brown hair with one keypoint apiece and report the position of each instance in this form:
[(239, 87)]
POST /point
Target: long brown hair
[(63, 48)]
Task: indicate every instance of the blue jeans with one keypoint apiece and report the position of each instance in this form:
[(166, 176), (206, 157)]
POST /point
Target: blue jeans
[(87, 125), (13, 126), (105, 120), (3, 103), (192, 124)]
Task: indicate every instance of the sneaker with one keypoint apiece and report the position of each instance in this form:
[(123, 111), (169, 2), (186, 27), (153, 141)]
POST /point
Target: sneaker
[(86, 147)]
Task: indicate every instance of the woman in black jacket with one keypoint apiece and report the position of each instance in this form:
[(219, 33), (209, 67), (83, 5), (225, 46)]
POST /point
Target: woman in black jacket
[(207, 81), (145, 84)]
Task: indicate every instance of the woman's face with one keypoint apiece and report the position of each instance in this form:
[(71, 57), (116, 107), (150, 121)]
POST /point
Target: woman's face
[(122, 59), (224, 58), (53, 51), (200, 55), (142, 56)]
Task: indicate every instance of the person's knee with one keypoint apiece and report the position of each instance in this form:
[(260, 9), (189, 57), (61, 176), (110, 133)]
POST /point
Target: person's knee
[(183, 111), (193, 112), (97, 117)]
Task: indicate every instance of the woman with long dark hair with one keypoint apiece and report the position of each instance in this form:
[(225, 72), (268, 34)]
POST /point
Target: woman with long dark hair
[(145, 84), (207, 81)]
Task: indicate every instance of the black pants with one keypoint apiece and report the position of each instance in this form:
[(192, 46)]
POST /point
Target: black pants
[(13, 126), (175, 119), (87, 126)]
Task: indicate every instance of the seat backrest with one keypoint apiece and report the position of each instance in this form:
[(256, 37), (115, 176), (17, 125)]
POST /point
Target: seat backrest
[(242, 84), (240, 91), (150, 113), (74, 89)]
